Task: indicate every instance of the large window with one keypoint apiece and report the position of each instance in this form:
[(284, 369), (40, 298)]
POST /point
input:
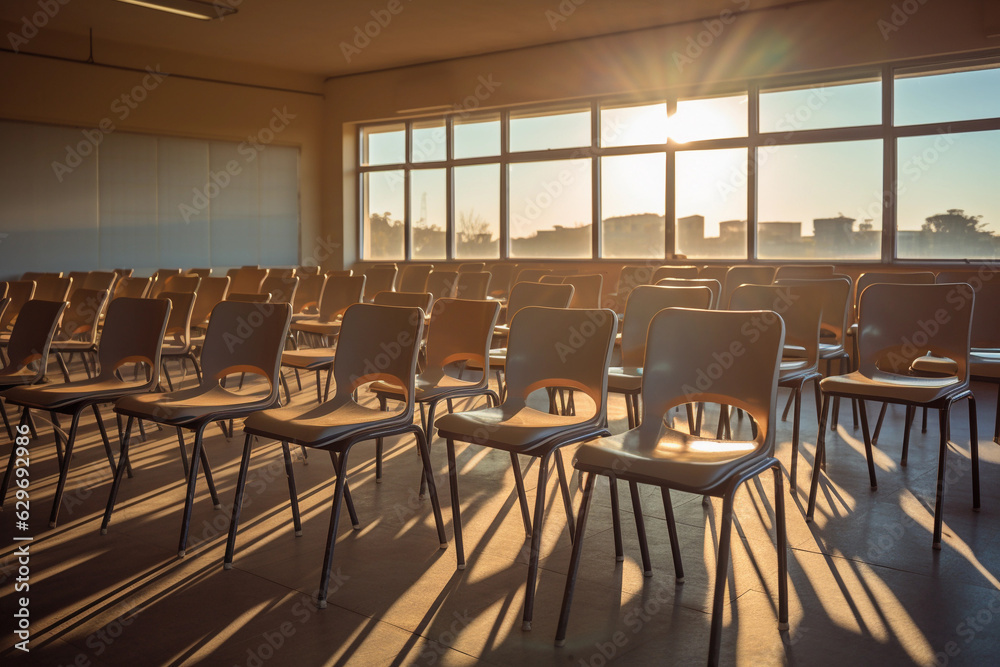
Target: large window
[(867, 165)]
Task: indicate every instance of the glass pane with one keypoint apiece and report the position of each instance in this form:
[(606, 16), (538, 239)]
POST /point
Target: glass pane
[(820, 201), (383, 144), (477, 212), (477, 136), (934, 98), (634, 125), (709, 118), (550, 209), (428, 213), (946, 191), (633, 198), (547, 130), (823, 106), (711, 201), (383, 215), (429, 142)]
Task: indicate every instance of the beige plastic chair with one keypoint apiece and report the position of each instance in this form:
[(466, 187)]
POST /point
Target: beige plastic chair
[(472, 267), (160, 280), (503, 278), (19, 292), (413, 277), (77, 278), (339, 293), (422, 300), (261, 331), (100, 280), (893, 334), (803, 271), (683, 343), (459, 332), (211, 292), (714, 273), (744, 274), (284, 272), (530, 275), (305, 303), (801, 308), (713, 285), (282, 288), (380, 278), (187, 282), (586, 290), (247, 280), (201, 273), (673, 272), (134, 288), (177, 338), (630, 277), (474, 286), (644, 302), (77, 333), (28, 351), (543, 354), (52, 288), (133, 333), (442, 284), (340, 423)]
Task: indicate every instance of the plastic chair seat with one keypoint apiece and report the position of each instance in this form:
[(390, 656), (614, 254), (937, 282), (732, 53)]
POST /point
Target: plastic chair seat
[(427, 389), (676, 459), (831, 350), (55, 396), (10, 377), (793, 369), (625, 379), (985, 363), (194, 405), (309, 359), (884, 386), (522, 429), (319, 426), (72, 345), (317, 327)]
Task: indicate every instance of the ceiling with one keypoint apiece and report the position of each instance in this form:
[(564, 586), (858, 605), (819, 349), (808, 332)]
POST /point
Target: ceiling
[(318, 36)]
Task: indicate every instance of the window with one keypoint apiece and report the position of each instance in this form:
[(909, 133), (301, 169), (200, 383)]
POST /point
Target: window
[(791, 168)]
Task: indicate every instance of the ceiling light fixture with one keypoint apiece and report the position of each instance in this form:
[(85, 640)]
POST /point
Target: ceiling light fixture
[(195, 9)]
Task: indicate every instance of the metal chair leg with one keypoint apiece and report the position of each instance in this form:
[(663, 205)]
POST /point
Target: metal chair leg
[(116, 483), (64, 470), (536, 542), (640, 529), (522, 498), (574, 561)]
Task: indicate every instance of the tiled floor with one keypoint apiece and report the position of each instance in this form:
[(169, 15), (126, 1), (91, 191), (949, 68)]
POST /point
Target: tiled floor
[(866, 587)]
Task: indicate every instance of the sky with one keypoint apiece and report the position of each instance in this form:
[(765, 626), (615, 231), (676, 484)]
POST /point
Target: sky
[(795, 183)]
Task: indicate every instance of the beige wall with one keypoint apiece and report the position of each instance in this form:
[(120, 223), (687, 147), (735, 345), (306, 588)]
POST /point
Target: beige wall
[(813, 36), (66, 93)]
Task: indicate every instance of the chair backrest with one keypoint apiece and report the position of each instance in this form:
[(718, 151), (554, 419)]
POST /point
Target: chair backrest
[(377, 343), (124, 273), (211, 292), (380, 278), (713, 286), (803, 271), (339, 293), (552, 279), (674, 272), (422, 300), (35, 275), (800, 306), (19, 292), (503, 278), (986, 315), (714, 273), (902, 278), (248, 280), (413, 277), (472, 267), (307, 295), (245, 338), (201, 273), (100, 280), (182, 283), (523, 295), (586, 290), (460, 330), (178, 331), (281, 288), (249, 297), (308, 271), (78, 278), (744, 274), (442, 283), (630, 277), (899, 322), (339, 273), (135, 288), (835, 296), (647, 300), (560, 347), (530, 275), (472, 285), (133, 333), (160, 280), (3, 290), (84, 311), (32, 335), (282, 272), (52, 288), (714, 356)]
